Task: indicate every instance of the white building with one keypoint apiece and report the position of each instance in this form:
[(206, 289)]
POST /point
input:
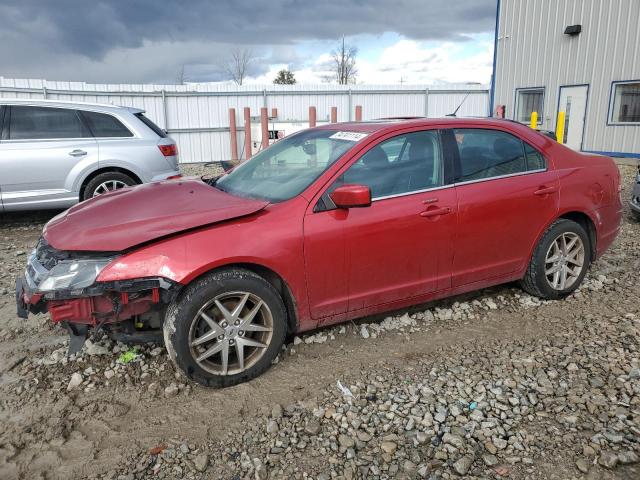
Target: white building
[(577, 56)]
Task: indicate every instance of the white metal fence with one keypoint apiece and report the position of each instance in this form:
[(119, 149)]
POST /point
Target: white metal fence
[(197, 115)]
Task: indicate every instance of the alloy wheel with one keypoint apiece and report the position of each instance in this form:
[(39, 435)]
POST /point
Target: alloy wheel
[(564, 261), (109, 186), (230, 333)]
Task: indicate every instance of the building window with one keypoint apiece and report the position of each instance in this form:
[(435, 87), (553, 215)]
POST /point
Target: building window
[(625, 102), (529, 100)]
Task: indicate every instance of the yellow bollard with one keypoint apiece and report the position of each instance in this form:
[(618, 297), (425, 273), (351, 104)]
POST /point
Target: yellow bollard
[(534, 120), (560, 128)]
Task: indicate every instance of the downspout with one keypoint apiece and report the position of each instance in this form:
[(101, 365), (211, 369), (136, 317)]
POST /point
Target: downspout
[(495, 56)]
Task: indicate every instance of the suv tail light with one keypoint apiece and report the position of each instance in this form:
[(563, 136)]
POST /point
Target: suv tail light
[(169, 150)]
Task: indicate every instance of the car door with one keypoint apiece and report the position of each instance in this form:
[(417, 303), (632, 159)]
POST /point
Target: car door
[(506, 197), (398, 247), (42, 152)]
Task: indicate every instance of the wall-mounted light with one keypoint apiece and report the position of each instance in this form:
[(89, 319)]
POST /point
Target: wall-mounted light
[(573, 30)]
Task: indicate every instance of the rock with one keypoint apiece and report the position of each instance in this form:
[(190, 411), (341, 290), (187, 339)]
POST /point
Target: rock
[(346, 441), (313, 427), (489, 460), (201, 462), (297, 340), (634, 374), (272, 426), (276, 411), (364, 332), (76, 380), (454, 440), (171, 391), (463, 465), (583, 465), (93, 349), (628, 457), (260, 470), (109, 374), (608, 459), (490, 447), (388, 447), (363, 436), (500, 443)]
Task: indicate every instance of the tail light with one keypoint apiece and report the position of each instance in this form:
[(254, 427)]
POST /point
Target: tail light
[(169, 150)]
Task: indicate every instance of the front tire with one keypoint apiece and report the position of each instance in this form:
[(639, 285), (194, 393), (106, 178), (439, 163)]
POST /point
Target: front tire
[(559, 262), (226, 328)]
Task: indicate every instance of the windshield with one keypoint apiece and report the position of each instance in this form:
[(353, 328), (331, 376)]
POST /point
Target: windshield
[(285, 169)]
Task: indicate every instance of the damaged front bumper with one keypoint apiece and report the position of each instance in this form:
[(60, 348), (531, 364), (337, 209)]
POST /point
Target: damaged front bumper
[(139, 301)]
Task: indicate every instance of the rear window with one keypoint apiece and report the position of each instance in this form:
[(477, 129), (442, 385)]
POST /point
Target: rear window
[(160, 132), (103, 125)]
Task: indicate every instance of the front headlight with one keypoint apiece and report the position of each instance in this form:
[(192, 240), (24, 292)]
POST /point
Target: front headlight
[(72, 274)]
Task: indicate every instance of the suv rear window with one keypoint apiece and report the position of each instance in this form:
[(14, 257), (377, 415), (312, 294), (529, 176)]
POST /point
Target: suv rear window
[(160, 132), (103, 125)]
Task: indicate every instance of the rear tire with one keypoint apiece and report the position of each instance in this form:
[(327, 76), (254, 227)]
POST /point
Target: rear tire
[(226, 328), (559, 262), (106, 181)]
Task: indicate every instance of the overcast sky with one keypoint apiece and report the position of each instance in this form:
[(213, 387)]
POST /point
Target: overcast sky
[(149, 41)]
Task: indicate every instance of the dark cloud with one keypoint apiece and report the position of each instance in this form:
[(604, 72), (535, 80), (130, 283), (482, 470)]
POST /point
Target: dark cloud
[(88, 40)]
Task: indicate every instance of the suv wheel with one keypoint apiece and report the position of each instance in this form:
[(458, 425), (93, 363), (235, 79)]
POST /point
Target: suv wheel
[(226, 328), (107, 182), (559, 262)]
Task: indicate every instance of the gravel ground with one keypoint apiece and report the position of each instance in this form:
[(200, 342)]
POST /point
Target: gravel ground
[(494, 384)]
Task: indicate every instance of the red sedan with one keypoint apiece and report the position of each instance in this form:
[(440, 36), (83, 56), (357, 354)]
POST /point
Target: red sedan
[(326, 225)]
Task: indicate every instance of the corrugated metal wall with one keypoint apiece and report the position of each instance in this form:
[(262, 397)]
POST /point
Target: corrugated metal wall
[(197, 116), (533, 51)]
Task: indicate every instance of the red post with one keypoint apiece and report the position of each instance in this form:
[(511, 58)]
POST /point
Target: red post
[(233, 134), (247, 133), (312, 117), (264, 124), (358, 113), (274, 113), (334, 114)]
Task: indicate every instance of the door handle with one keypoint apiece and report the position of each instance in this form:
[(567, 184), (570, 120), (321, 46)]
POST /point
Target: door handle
[(544, 190), (436, 212), (77, 153)]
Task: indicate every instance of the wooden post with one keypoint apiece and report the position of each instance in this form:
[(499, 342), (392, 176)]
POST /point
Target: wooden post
[(247, 133), (264, 125), (312, 117), (358, 113), (334, 114), (233, 133)]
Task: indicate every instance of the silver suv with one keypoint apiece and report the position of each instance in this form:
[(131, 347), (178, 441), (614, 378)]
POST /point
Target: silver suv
[(53, 154)]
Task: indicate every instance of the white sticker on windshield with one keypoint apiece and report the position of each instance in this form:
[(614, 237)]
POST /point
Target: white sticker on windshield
[(349, 136)]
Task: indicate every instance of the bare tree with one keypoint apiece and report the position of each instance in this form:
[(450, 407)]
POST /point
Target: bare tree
[(238, 63), (181, 78), (344, 63)]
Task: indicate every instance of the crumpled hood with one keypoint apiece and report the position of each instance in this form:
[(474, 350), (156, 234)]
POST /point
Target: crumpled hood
[(124, 218)]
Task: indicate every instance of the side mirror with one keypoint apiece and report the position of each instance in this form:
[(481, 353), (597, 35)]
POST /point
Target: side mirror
[(351, 196)]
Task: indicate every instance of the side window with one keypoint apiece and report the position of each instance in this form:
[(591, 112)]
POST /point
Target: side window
[(103, 125), (535, 160), (403, 164), (35, 123), (489, 153)]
